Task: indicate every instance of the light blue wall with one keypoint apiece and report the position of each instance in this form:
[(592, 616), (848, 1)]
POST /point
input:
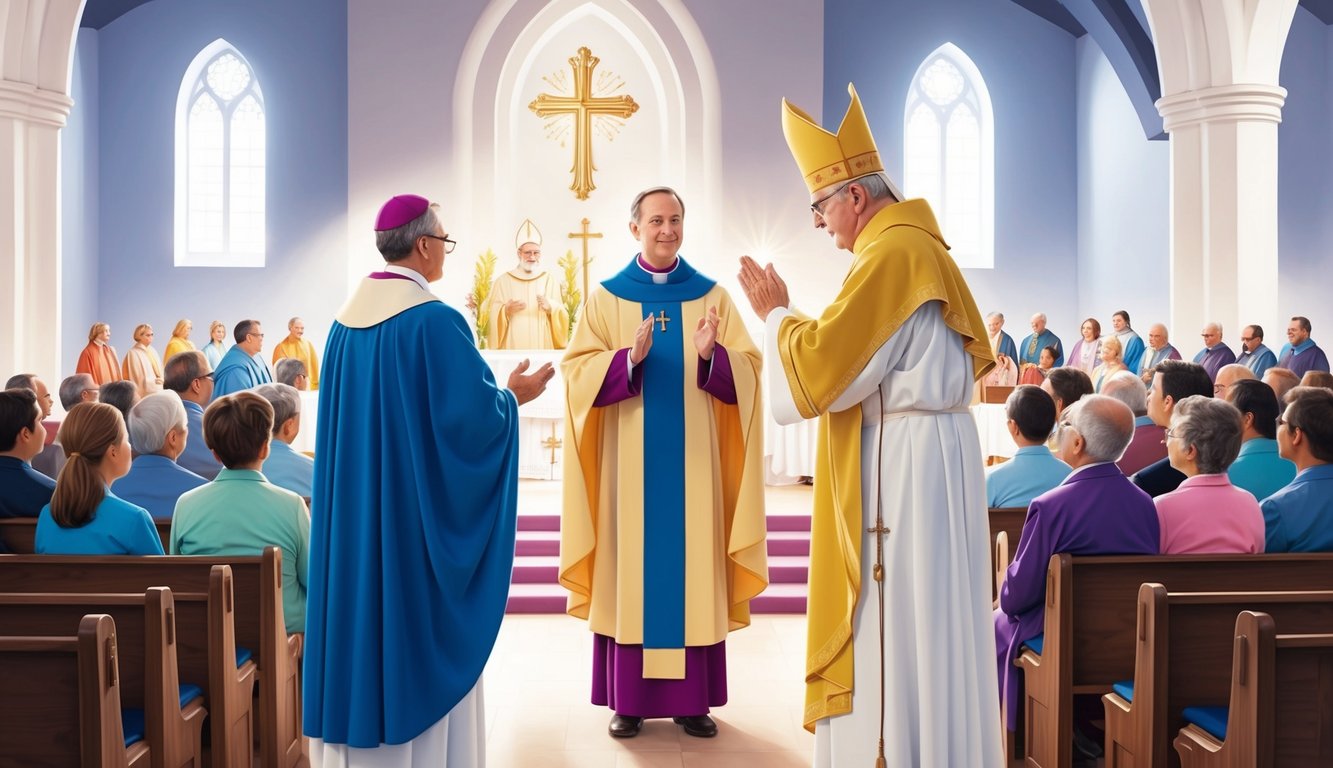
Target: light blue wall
[(1028, 67), (298, 49), (79, 231), (1123, 203)]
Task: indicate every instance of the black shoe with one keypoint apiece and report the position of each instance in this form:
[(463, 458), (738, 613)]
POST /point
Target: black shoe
[(700, 726), (623, 727), (1086, 748)]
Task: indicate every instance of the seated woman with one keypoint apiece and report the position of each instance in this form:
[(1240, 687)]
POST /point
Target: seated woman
[(1036, 374), (1087, 350), (84, 517), (1111, 363), (241, 512), (1207, 514)]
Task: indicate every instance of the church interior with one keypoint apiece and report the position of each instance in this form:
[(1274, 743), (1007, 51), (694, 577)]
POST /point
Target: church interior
[(171, 159)]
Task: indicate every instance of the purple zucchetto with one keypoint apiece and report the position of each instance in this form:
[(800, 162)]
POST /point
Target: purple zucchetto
[(399, 210)]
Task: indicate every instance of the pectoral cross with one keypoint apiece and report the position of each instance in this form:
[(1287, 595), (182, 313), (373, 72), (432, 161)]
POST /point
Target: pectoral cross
[(585, 236), (582, 106), (661, 320)]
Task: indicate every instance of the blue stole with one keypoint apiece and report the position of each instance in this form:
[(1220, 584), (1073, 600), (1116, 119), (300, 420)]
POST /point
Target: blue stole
[(663, 445)]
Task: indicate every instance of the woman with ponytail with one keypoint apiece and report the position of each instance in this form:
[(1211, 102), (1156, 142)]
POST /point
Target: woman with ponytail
[(84, 517)]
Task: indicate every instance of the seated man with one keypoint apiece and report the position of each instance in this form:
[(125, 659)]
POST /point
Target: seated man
[(1147, 446), (1300, 353), (23, 490), (1254, 354), (1258, 469), (189, 375), (1228, 375), (157, 435), (79, 388), (1299, 518), (121, 394), (1095, 511), (241, 513), (1033, 470), (1214, 354), (291, 372), (1173, 381), (1281, 381), (285, 467), (1065, 386)]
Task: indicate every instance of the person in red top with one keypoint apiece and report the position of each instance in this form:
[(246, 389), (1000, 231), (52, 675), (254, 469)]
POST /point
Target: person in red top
[(99, 358)]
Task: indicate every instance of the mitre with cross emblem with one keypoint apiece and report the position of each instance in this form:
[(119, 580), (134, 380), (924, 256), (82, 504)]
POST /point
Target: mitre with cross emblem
[(825, 158)]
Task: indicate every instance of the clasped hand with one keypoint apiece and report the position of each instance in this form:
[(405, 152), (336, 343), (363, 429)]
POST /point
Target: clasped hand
[(763, 287)]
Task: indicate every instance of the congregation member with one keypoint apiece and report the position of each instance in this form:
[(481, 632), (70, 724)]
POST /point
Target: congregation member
[(1258, 468), (1300, 353), (1036, 374), (291, 372), (444, 448), (1299, 517), (77, 388), (239, 512), (1033, 470), (121, 394), (84, 517), (1253, 354), (1112, 362), (1214, 354), (1029, 350), (50, 460), (1065, 386), (216, 346), (1317, 379), (1206, 514), (297, 347), (1086, 352), (1173, 381), (157, 434), (913, 375), (190, 376), (1095, 511), (99, 358), (23, 490), (242, 367), (180, 339), (524, 305), (634, 390), (1282, 381), (1228, 375), (142, 366), (1131, 344), (1005, 372), (1146, 447), (286, 467), (1159, 349)]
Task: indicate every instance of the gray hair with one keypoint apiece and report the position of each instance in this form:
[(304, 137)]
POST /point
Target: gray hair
[(1106, 424), (1042, 315), (153, 418), (71, 389), (397, 244), (287, 369), (1128, 389), (1213, 427), (294, 320), (1213, 324), (634, 207), (997, 315), (876, 186), (284, 398)]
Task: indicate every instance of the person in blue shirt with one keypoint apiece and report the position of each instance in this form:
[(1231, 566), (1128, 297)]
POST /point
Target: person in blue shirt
[(1033, 470), (1299, 518), (1258, 469), (157, 434), (23, 490), (242, 367), (1254, 354), (285, 467), (189, 375), (84, 517)]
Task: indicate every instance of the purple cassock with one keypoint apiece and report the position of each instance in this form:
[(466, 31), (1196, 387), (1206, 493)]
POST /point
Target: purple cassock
[(1095, 511), (1213, 358), (1303, 358)]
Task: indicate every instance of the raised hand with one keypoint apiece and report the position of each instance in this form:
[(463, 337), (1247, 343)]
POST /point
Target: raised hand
[(705, 334), (763, 287), (528, 387), (643, 341)]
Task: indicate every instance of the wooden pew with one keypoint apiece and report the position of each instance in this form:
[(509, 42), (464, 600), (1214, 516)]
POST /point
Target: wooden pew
[(1008, 520), (1281, 702), (1183, 657), (172, 719), (18, 534), (1000, 562), (1091, 607), (259, 623), (60, 701)]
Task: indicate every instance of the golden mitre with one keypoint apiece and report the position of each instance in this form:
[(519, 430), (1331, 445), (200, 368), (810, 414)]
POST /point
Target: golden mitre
[(527, 233), (825, 158)]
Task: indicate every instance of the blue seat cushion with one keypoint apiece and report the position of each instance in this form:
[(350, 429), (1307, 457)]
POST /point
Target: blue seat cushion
[(242, 655), (1125, 689), (132, 720), (1035, 643), (189, 693), (1211, 719)]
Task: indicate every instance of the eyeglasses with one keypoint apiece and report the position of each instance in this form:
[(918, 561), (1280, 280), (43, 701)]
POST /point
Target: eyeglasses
[(208, 376), (1247, 338), (448, 244), (817, 207), (258, 335), (1169, 434), (1281, 422)]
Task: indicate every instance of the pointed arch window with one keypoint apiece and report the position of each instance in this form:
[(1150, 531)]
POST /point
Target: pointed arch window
[(220, 162), (948, 152)]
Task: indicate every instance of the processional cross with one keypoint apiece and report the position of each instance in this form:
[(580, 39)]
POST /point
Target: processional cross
[(583, 106), (553, 443), (585, 235)]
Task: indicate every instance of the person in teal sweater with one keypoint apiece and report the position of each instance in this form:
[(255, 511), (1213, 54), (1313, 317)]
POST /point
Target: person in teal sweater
[(241, 512), (84, 516)]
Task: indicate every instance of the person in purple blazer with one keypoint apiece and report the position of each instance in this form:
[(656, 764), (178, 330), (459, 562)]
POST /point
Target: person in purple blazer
[(1095, 511)]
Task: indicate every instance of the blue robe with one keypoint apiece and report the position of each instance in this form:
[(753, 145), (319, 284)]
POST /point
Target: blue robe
[(1028, 353), (1259, 361), (1131, 349), (239, 371), (412, 520), (1007, 347)]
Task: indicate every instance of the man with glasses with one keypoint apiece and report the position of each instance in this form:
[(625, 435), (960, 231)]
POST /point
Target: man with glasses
[(189, 375), (525, 308), (1214, 354), (242, 367), (78, 388), (1254, 355), (1173, 381), (1299, 518), (297, 347)]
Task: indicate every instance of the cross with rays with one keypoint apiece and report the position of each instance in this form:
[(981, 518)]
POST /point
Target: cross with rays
[(583, 106)]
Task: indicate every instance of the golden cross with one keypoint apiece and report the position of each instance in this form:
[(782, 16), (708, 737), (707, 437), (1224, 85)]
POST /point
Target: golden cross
[(880, 531), (662, 320), (582, 106), (552, 442), (584, 236)]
